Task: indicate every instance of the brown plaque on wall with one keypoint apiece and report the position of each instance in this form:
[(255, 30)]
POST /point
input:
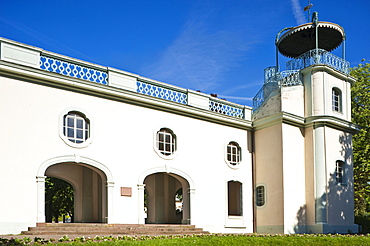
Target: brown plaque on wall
[(126, 191)]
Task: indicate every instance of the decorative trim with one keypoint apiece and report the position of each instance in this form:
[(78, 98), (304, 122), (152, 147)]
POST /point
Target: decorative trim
[(59, 81), (77, 159)]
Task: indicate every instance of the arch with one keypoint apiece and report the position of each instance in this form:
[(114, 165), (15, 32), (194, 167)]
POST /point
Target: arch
[(77, 159), (169, 170), (95, 166), (170, 178)]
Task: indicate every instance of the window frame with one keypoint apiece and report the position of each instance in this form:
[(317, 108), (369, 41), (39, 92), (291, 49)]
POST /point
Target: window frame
[(169, 150), (257, 195), (229, 154), (340, 172), (235, 197), (79, 114), (336, 100)]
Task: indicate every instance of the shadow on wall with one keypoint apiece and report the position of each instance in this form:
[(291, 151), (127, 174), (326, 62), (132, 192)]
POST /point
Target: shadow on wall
[(337, 204)]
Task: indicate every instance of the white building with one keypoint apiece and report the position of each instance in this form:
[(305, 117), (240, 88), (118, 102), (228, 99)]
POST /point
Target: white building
[(286, 167)]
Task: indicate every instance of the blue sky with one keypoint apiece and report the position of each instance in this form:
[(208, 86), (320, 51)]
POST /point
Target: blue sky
[(214, 46)]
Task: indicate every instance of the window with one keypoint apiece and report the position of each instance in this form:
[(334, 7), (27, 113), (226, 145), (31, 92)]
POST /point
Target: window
[(339, 172), (336, 100), (233, 153), (166, 142), (234, 199), (260, 195), (76, 127)]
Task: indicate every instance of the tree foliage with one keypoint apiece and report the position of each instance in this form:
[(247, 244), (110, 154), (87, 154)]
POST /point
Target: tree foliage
[(58, 198), (361, 141)]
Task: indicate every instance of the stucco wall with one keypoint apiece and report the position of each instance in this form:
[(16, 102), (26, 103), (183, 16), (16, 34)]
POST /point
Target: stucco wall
[(269, 172), (319, 83), (122, 141), (294, 179), (340, 195)]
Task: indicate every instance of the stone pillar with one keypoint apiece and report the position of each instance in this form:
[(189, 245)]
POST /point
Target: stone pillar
[(191, 208), (40, 180), (141, 212), (320, 175), (185, 205), (110, 215)]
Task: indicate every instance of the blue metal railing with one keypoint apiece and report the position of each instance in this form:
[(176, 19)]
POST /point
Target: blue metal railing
[(227, 108), (320, 56), (73, 70), (275, 82), (99, 74)]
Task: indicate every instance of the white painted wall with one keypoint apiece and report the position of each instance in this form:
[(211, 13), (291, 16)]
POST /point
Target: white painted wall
[(122, 141)]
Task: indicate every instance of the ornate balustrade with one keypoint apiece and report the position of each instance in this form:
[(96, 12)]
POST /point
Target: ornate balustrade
[(69, 67), (263, 94), (320, 56), (73, 70), (162, 92), (286, 78), (227, 108)]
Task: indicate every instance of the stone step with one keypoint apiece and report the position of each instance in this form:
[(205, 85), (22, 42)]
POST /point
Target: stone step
[(111, 229)]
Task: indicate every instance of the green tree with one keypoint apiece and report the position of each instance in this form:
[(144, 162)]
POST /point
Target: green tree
[(58, 199), (361, 141)]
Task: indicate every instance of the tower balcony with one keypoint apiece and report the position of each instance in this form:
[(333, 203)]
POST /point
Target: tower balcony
[(274, 79), (318, 56)]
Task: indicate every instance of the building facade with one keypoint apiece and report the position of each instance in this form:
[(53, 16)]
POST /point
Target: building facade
[(128, 144)]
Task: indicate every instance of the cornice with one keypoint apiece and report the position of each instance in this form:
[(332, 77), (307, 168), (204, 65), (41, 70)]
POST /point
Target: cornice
[(311, 121), (278, 118), (333, 122), (62, 82), (330, 70)]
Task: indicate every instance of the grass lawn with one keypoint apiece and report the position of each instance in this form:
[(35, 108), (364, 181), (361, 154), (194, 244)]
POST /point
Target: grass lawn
[(254, 239)]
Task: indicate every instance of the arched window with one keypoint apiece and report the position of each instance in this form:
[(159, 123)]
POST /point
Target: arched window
[(260, 196), (233, 154), (339, 172), (76, 127), (234, 198), (166, 142), (336, 100)]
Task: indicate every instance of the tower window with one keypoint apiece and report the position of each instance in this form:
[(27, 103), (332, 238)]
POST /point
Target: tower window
[(166, 142), (260, 195), (336, 100), (339, 172), (76, 127), (233, 153)]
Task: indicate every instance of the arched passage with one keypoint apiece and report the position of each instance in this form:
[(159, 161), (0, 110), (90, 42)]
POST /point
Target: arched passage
[(92, 183), (90, 196), (161, 189)]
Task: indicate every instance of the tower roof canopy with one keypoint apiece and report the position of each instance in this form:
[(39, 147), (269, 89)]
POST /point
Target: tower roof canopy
[(301, 39)]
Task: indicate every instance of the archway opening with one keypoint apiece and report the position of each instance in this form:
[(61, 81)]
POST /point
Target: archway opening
[(167, 199), (89, 191), (59, 200)]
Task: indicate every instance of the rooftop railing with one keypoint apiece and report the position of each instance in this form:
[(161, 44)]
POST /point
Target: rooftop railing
[(273, 82), (73, 70), (227, 108), (291, 77), (160, 91), (319, 56), (99, 74)]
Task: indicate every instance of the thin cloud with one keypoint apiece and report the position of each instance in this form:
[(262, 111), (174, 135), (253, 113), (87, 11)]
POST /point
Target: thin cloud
[(232, 90), (298, 12), (42, 38), (201, 55), (236, 98)]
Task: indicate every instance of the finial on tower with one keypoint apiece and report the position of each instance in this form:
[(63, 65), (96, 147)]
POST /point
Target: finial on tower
[(307, 8)]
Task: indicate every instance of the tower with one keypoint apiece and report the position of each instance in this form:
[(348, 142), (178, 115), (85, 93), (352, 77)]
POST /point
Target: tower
[(303, 135)]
